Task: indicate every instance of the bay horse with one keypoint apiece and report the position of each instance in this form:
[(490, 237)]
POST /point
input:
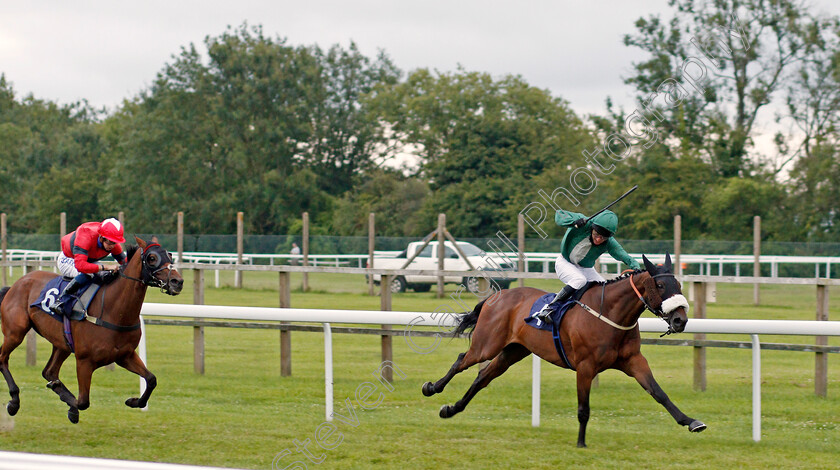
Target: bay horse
[(111, 333), (592, 341)]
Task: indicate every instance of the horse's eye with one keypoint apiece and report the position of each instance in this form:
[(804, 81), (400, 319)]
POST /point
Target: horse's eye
[(660, 285), (153, 259)]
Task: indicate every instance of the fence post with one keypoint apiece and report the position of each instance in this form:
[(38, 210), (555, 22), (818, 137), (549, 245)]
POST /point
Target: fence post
[(305, 243), (821, 366), (180, 229), (3, 247), (440, 252), (285, 334), (240, 247), (121, 217), (387, 345), (678, 242), (757, 255), (62, 225), (700, 351), (31, 337), (198, 331), (371, 243), (520, 235)]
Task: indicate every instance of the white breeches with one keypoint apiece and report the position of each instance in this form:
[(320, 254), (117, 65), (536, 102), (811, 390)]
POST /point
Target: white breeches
[(66, 265), (574, 275)]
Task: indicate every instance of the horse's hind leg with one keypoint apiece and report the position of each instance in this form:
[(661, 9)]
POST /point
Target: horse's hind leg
[(511, 354), (11, 340), (638, 368), (477, 353), (134, 364), (50, 373)]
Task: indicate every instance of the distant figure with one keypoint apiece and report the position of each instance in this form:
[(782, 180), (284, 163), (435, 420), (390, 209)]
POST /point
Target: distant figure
[(295, 254)]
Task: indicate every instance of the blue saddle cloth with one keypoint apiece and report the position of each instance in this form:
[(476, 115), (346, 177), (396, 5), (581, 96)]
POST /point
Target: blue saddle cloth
[(557, 312), (556, 317), (78, 305)]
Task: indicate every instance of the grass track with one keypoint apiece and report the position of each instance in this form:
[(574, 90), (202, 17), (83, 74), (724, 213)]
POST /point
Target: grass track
[(242, 413)]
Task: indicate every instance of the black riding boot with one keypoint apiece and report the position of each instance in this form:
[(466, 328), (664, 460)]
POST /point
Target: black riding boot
[(561, 297), (69, 290)]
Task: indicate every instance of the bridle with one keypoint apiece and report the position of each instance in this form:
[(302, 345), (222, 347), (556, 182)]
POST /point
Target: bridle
[(149, 271), (656, 311)]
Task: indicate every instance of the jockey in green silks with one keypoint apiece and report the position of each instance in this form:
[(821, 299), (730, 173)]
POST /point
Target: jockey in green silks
[(582, 245)]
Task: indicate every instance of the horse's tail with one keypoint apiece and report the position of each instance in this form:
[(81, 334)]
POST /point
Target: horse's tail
[(468, 320), (3, 293)]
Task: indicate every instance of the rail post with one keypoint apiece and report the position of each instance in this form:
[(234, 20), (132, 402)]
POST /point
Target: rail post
[(821, 360), (440, 252), (180, 230), (678, 243), (240, 245), (285, 334), (520, 235), (198, 331), (305, 248), (757, 256), (371, 245), (387, 344), (700, 351)]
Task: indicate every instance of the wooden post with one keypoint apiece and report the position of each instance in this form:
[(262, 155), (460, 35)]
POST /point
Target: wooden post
[(700, 351), (62, 225), (305, 248), (678, 242), (821, 366), (387, 346), (180, 229), (520, 235), (757, 255), (31, 348), (240, 247), (440, 252), (3, 247), (121, 217), (371, 243), (198, 331), (285, 335)]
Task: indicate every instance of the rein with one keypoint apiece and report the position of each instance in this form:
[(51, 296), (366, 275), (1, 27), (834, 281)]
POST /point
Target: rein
[(605, 319), (658, 312)]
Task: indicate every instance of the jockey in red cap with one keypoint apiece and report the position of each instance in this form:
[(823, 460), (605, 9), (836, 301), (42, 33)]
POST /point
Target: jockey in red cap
[(80, 251)]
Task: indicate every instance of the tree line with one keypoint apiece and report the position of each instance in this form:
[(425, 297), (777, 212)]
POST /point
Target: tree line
[(252, 123)]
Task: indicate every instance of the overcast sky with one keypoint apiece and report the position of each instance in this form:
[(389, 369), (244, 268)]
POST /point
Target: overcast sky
[(106, 51)]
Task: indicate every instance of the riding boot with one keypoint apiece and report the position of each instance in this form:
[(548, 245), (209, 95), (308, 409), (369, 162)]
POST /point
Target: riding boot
[(71, 288), (561, 297)]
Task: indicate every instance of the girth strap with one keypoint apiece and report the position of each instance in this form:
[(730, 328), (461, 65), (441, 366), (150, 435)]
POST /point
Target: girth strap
[(111, 326)]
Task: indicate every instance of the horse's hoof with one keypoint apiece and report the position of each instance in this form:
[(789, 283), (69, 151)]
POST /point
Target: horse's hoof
[(73, 415), (12, 408), (428, 389), (133, 403), (447, 411), (696, 426)]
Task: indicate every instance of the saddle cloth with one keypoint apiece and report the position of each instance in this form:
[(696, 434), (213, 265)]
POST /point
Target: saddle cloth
[(80, 302)]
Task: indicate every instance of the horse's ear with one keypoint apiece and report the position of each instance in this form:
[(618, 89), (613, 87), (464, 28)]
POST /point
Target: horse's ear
[(668, 264), (140, 242), (651, 268)]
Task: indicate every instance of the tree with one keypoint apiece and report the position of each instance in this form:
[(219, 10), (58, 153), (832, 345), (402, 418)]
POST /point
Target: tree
[(481, 143), (714, 68)]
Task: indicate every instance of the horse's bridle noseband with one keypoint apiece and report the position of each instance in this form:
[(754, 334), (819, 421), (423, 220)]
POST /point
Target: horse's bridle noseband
[(658, 312), (149, 272)]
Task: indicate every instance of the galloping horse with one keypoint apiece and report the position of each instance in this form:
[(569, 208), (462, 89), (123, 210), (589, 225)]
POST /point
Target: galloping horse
[(113, 338), (592, 341)]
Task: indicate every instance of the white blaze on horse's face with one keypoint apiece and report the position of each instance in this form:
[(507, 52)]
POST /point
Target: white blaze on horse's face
[(674, 302)]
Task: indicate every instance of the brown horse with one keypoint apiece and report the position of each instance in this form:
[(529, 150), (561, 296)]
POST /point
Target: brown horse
[(592, 342), (111, 333)]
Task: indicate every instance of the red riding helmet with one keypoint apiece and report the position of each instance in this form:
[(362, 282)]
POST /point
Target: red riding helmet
[(112, 229)]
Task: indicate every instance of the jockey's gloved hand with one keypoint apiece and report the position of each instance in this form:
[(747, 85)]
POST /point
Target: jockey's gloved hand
[(107, 275), (579, 222)]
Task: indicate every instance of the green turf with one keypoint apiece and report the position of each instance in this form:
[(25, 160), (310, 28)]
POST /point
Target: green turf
[(241, 413)]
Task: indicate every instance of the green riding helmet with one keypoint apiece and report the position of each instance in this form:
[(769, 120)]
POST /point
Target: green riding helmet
[(605, 223)]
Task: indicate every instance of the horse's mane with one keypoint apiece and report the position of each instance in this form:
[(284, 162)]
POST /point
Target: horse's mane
[(129, 252), (623, 276)]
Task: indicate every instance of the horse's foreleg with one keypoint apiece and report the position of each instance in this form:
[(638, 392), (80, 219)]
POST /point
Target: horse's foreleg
[(134, 364), (584, 386), (638, 368), (51, 371), (511, 354), (11, 340)]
